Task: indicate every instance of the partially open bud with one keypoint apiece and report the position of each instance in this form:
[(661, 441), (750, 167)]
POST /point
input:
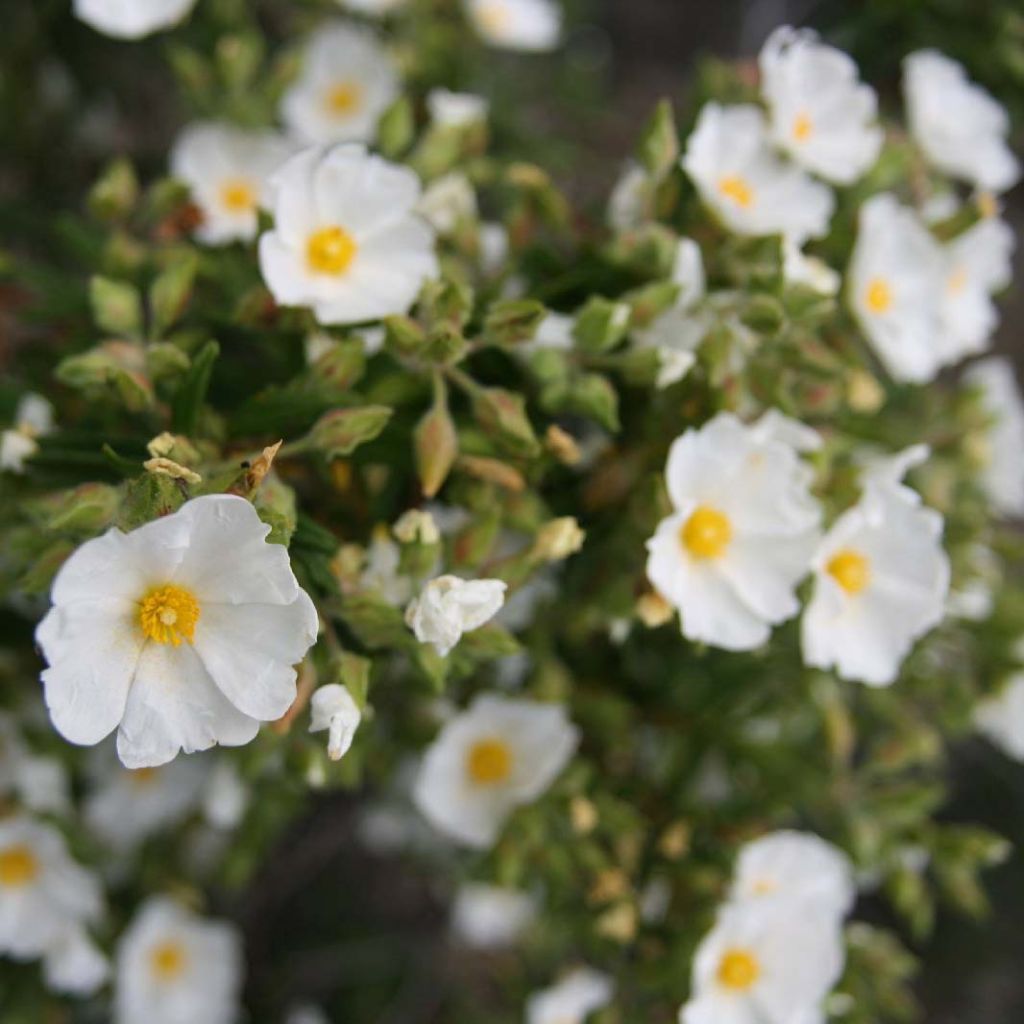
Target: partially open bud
[(653, 610), (558, 539)]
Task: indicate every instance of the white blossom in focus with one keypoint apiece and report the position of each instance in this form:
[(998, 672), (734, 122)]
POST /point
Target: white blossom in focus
[(449, 606), (333, 708)]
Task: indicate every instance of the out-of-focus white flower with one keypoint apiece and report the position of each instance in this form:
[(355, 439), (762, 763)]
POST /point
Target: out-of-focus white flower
[(959, 126), (531, 25), (456, 109), (978, 264), (628, 200), (33, 418), (381, 571), (745, 184), (798, 867), (175, 966), (767, 962), (676, 333), (227, 170), (1000, 718), (346, 240), (741, 536), (447, 201), (570, 1001), (225, 796), (1003, 477), (377, 8), (47, 901), (307, 1013), (40, 783), (554, 331), (493, 242), (895, 288), (180, 634), (347, 81), (487, 761), (333, 708), (491, 916), (881, 580), (973, 598), (808, 271), (128, 806), (821, 113), (131, 19), (449, 606)]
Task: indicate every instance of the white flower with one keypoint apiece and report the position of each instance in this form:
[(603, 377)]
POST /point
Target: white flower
[(448, 607), (770, 962), (741, 179), (227, 169), (128, 806), (1000, 718), (978, 264), (676, 333), (808, 271), (491, 916), (881, 580), (46, 903), (33, 418), (382, 570), (180, 634), (376, 8), (487, 761), (821, 114), (531, 25), (333, 708), (131, 19), (959, 126), (627, 203), (40, 783), (493, 242), (174, 966), (554, 331), (456, 109), (447, 201), (1003, 477), (797, 867), (347, 81), (741, 535), (571, 1001), (895, 287), (225, 795), (346, 240)]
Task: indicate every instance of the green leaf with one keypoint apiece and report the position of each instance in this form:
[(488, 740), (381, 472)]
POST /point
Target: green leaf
[(191, 393), (170, 292)]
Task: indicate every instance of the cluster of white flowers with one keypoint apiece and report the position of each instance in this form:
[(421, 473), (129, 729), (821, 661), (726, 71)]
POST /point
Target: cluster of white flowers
[(776, 949), (745, 531)]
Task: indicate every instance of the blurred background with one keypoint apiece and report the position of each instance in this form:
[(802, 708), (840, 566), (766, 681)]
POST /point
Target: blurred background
[(330, 908)]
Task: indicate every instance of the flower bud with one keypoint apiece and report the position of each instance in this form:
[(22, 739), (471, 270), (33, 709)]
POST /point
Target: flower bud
[(558, 539), (341, 431)]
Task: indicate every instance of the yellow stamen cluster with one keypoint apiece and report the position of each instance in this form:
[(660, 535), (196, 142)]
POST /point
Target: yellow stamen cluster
[(707, 533), (238, 195), (850, 569), (878, 296), (330, 251), (803, 127), (738, 969), (345, 98), (489, 762), (169, 614), (738, 189), (19, 866), (167, 960)]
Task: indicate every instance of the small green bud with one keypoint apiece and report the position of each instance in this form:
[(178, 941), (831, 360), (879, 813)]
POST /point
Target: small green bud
[(436, 443), (115, 194), (116, 306), (170, 292), (503, 414), (601, 324), (341, 431), (659, 145), (511, 321)]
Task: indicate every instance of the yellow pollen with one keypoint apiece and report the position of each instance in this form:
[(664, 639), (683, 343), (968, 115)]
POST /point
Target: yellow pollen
[(764, 886), (169, 614), (238, 195), (878, 295), (493, 17), (18, 867), (330, 251), (489, 762), (345, 98), (738, 969), (168, 960), (850, 569), (706, 534), (736, 188), (803, 127), (957, 281), (988, 205), (142, 776)]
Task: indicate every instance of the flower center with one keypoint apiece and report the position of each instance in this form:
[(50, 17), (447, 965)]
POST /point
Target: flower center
[(494, 17), (706, 534), (988, 205), (345, 98), (168, 960), (237, 195), (957, 281), (764, 887), (803, 127), (169, 614), (330, 251), (850, 569), (878, 295), (489, 762), (142, 777), (18, 867), (738, 969), (736, 188)]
